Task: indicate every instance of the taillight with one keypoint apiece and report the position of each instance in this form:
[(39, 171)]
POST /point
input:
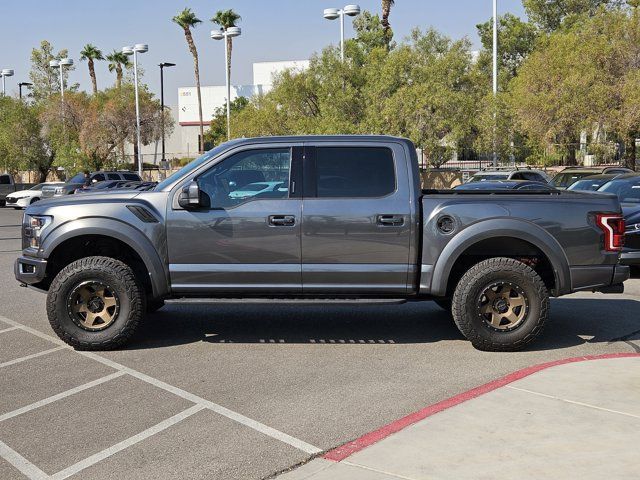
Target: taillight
[(613, 227)]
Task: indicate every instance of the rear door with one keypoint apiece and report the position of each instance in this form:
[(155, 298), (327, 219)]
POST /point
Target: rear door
[(356, 227)]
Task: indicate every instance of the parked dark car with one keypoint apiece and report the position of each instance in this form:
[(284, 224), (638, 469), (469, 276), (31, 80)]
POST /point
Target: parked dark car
[(99, 186), (627, 189), (78, 181), (506, 185), (570, 175), (592, 182)]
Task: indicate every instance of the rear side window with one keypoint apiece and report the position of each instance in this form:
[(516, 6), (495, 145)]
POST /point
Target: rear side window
[(5, 180), (354, 172), (98, 178), (131, 176), (113, 176)]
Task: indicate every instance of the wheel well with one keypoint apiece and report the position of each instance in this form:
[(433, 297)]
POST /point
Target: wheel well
[(503, 247), (96, 245)]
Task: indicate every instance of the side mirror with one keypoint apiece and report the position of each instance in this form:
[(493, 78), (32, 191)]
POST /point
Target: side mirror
[(190, 196)]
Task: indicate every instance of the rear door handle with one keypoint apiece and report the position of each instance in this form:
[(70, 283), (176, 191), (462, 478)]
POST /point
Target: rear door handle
[(282, 220), (390, 220)]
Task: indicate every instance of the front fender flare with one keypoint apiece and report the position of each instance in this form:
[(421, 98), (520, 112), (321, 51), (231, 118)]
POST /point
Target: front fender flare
[(501, 227), (119, 230)]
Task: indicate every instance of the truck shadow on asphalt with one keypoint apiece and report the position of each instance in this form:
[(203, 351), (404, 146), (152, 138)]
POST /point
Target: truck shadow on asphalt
[(572, 322)]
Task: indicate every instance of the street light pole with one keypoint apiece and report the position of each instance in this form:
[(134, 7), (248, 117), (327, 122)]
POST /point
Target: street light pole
[(5, 72), (23, 84), (162, 65), (334, 13), (137, 48), (495, 81), (224, 34)]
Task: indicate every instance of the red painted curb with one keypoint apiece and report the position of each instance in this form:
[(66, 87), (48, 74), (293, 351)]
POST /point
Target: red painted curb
[(340, 453)]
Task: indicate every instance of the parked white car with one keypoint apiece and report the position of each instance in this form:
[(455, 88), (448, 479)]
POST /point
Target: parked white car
[(24, 198)]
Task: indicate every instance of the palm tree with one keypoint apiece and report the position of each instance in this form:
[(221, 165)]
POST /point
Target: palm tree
[(91, 53), (187, 20), (118, 60), (226, 19), (386, 11)]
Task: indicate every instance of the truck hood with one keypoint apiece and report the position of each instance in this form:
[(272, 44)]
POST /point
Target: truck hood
[(84, 199)]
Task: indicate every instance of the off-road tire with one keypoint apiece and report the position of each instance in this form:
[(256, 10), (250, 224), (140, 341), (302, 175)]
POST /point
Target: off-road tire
[(121, 279), (470, 288)]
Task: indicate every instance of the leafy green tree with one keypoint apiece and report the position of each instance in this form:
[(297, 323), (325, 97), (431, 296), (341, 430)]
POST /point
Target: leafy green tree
[(226, 19), (91, 53), (516, 40), (187, 20), (217, 133), (46, 80), (369, 32), (550, 15)]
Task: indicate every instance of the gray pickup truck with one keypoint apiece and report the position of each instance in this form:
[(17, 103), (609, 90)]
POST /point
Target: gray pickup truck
[(336, 218)]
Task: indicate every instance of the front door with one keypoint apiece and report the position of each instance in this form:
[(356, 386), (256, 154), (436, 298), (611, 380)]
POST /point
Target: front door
[(248, 240), (356, 230)]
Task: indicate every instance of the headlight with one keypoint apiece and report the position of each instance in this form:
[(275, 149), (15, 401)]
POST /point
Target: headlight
[(33, 226)]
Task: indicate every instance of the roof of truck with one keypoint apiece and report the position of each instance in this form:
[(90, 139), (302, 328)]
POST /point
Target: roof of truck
[(312, 138)]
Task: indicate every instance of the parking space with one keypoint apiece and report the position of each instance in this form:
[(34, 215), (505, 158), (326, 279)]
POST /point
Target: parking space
[(246, 391)]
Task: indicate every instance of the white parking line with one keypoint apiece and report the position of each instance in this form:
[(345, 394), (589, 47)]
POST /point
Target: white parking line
[(4, 330), (22, 464), (29, 357), (246, 421), (107, 452), (59, 396)]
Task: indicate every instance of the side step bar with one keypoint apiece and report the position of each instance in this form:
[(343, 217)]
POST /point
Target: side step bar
[(287, 301)]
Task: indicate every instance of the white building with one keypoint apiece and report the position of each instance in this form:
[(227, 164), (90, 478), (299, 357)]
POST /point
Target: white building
[(183, 142)]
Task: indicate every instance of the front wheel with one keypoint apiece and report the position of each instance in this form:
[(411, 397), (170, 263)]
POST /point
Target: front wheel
[(500, 304), (95, 303)]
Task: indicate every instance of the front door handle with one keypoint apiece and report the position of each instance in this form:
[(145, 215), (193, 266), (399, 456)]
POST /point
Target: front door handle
[(282, 220), (390, 220)]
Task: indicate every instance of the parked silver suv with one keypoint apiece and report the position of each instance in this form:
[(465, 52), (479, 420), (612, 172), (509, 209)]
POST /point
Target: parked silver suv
[(78, 181), (510, 173)]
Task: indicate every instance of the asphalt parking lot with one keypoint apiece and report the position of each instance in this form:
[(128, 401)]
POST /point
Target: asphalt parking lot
[(246, 391)]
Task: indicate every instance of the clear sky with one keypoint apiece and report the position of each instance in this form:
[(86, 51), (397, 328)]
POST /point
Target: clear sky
[(271, 30)]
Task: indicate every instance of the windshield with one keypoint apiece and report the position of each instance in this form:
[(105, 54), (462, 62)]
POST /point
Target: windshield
[(484, 178), (191, 166), (566, 179), (628, 191), (79, 178), (587, 185)]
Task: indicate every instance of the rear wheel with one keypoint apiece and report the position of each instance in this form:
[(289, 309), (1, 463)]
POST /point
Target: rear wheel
[(95, 303), (500, 304)]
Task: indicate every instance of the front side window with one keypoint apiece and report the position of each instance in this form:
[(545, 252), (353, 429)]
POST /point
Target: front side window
[(354, 172), (246, 176), (98, 178), (113, 176)]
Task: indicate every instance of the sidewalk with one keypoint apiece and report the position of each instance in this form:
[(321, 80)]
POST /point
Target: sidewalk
[(579, 418)]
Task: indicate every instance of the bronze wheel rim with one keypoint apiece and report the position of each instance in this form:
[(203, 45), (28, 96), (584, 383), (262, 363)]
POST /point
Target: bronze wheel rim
[(503, 306), (93, 305)]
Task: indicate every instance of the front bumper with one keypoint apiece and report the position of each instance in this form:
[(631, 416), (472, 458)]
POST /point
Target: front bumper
[(29, 270)]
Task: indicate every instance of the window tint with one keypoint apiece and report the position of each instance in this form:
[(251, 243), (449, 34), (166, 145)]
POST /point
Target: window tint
[(518, 176), (98, 178), (249, 175), (131, 176), (354, 172), (5, 180), (113, 176)]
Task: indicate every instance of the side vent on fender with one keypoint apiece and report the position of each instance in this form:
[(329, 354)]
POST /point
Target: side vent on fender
[(142, 213)]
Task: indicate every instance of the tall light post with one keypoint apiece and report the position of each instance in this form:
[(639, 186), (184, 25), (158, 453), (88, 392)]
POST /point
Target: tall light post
[(60, 64), (223, 34), (495, 81), (162, 66), (135, 50), (23, 84), (5, 72), (334, 13)]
